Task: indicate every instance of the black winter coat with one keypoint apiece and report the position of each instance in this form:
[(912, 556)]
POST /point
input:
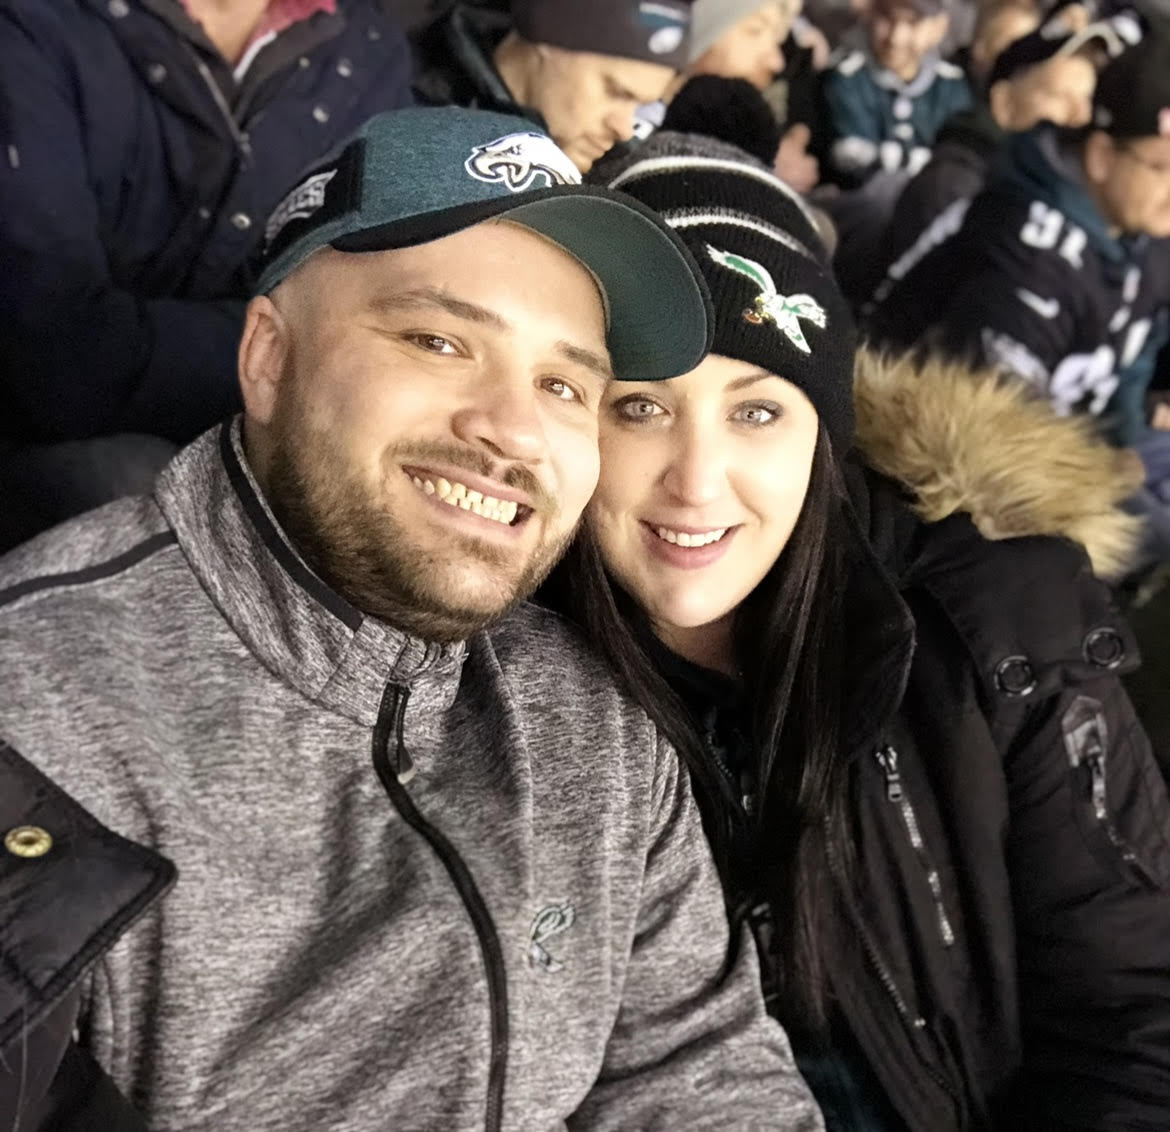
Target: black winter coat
[(136, 176), (1000, 956), (69, 888)]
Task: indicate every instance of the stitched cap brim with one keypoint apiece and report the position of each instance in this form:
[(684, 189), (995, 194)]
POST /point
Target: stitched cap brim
[(660, 319)]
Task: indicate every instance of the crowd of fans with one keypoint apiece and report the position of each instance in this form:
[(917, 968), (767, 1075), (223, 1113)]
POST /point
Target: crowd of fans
[(980, 187)]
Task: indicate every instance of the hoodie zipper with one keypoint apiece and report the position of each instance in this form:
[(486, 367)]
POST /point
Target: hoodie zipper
[(394, 773), (896, 793)]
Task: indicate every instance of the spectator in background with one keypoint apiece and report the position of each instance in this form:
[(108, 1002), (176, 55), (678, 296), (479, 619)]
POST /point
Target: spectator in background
[(578, 70), (743, 41), (1043, 77), (142, 144), (996, 26), (1059, 271), (885, 106)]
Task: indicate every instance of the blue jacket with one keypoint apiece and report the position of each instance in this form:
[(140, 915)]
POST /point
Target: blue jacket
[(135, 179)]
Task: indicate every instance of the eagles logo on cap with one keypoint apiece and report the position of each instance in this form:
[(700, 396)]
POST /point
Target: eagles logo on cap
[(520, 161)]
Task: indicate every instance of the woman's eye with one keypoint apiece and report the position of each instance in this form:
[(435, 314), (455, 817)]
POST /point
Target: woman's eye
[(757, 414), (561, 389), (638, 409), (434, 343)]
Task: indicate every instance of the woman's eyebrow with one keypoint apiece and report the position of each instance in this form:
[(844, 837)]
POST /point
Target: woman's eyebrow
[(749, 379)]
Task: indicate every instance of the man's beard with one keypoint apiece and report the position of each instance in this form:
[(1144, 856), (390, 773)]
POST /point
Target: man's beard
[(351, 538)]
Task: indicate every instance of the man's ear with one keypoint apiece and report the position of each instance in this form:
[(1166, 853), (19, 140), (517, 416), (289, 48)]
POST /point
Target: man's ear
[(999, 101), (264, 350), (1097, 157)]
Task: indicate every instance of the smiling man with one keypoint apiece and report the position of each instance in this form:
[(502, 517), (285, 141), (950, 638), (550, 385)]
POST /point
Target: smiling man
[(434, 872)]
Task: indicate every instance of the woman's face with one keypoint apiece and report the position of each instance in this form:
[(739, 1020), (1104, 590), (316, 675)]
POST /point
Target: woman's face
[(702, 480)]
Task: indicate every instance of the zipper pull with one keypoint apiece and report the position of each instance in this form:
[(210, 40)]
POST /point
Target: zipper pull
[(404, 766), (1097, 771), (888, 758)]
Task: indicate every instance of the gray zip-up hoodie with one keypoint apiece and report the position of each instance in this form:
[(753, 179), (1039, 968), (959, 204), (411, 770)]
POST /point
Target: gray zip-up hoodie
[(420, 888)]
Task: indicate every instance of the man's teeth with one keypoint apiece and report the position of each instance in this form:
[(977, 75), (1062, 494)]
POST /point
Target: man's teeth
[(458, 495), (681, 538)]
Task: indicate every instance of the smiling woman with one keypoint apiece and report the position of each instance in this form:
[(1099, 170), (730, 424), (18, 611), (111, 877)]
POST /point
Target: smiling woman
[(897, 730)]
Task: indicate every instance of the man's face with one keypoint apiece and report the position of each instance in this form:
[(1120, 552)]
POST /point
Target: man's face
[(751, 49), (588, 101), (1131, 179), (1059, 90), (424, 421), (902, 37)]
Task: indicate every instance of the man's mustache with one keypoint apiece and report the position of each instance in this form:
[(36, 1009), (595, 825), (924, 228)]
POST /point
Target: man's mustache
[(516, 476)]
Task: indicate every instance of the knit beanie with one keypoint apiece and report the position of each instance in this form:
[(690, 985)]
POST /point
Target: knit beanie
[(711, 18), (777, 304), (729, 109)]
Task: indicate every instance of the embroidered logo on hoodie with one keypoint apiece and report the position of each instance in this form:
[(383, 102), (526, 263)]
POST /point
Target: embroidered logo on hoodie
[(551, 921)]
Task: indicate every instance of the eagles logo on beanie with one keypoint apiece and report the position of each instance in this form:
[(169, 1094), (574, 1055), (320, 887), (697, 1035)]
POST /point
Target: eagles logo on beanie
[(777, 304)]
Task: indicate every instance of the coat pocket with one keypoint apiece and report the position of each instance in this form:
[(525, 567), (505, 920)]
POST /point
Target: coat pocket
[(1102, 798)]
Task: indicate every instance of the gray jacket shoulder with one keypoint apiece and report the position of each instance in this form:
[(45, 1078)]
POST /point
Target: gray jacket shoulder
[(109, 543)]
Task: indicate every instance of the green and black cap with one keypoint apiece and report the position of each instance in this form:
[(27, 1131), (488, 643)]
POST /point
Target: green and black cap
[(417, 175)]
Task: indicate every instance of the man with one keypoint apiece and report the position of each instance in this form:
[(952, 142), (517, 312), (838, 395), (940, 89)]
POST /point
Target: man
[(1058, 271), (886, 107), (578, 70), (1048, 76), (142, 143), (435, 872)]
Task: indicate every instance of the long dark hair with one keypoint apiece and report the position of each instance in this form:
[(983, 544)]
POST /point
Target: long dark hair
[(787, 637)]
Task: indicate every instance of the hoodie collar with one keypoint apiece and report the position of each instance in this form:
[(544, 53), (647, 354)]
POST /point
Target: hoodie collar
[(293, 623)]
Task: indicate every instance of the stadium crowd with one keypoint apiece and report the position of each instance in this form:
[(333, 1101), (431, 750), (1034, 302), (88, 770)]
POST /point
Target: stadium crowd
[(593, 565)]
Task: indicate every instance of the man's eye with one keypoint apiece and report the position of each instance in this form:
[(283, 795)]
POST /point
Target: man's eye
[(638, 409), (561, 389), (434, 343)]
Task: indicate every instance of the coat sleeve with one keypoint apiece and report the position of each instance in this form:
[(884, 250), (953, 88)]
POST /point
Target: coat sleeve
[(67, 898), (1090, 866), (79, 355), (693, 1046)]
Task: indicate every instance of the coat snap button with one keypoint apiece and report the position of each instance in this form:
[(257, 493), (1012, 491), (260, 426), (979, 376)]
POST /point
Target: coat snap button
[(1014, 676), (28, 841), (241, 220), (320, 113), (344, 68), (374, 35), (157, 73), (119, 9), (1104, 648)]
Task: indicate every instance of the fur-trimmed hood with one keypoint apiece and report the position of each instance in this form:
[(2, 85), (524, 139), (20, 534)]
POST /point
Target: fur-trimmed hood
[(969, 441)]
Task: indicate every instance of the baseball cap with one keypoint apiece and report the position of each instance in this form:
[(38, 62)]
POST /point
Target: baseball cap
[(1133, 92), (1052, 41), (655, 31), (416, 175)]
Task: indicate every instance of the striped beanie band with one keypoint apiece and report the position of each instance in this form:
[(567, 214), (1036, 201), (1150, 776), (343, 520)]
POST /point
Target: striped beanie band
[(777, 304)]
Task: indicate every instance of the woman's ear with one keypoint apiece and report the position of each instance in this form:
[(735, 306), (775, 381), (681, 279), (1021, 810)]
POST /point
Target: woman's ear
[(264, 351)]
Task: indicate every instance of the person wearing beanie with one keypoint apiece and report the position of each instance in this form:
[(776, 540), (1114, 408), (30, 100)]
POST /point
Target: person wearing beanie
[(897, 729), (579, 71)]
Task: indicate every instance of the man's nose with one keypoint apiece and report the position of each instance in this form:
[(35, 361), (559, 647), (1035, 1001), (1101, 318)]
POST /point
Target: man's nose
[(504, 419)]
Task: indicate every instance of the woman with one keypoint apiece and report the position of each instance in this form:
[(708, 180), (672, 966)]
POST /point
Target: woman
[(921, 778)]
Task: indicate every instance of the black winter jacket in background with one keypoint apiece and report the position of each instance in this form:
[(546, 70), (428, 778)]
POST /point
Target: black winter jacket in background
[(136, 177)]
